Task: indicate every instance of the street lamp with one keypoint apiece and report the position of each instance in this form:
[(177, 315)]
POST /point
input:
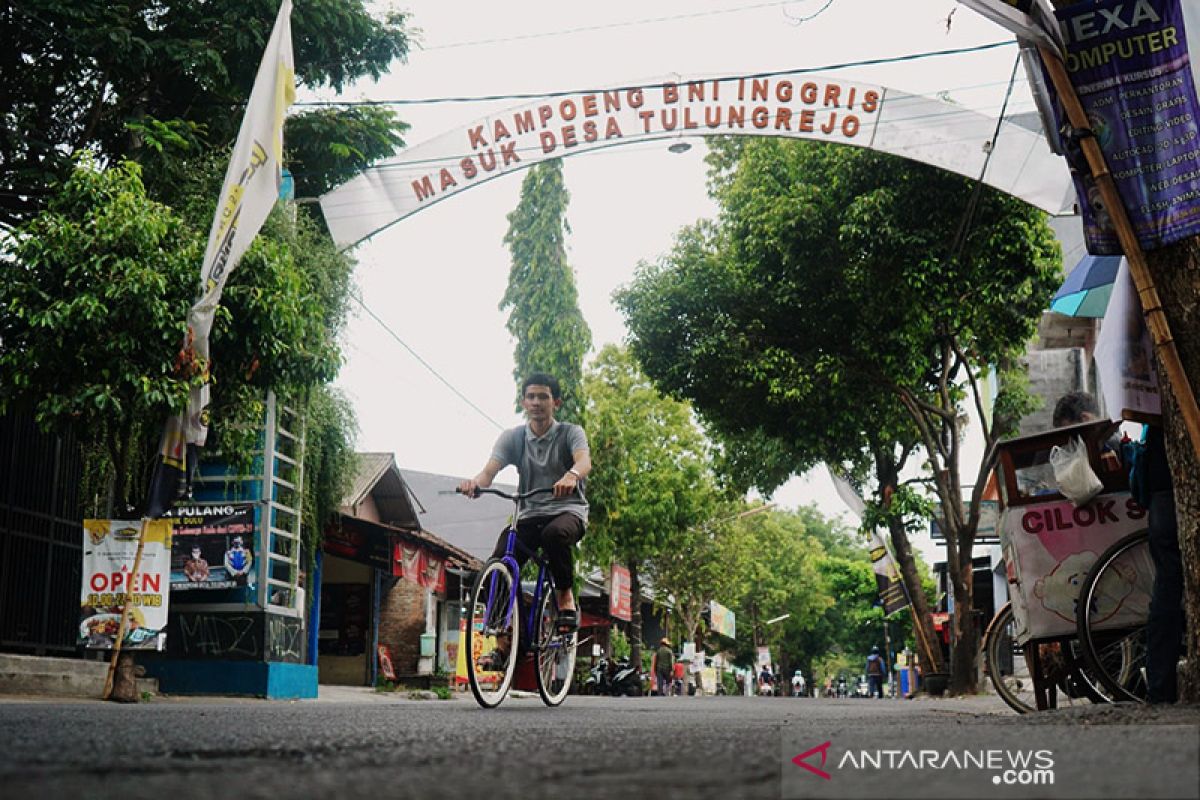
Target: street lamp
[(777, 619)]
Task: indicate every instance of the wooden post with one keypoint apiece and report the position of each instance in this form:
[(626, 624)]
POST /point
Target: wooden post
[(1156, 318), (131, 581)]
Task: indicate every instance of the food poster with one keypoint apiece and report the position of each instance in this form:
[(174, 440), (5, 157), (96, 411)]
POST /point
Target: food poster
[(213, 547), (109, 550), (480, 645), (1053, 545)]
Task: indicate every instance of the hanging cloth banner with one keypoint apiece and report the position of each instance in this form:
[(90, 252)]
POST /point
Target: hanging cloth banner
[(250, 190), (887, 576), (814, 106), (1130, 65), (1125, 356)]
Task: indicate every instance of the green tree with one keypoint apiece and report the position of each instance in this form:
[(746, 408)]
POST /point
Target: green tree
[(552, 335), (93, 298), (840, 296), (91, 293), (163, 81), (648, 481), (702, 563)]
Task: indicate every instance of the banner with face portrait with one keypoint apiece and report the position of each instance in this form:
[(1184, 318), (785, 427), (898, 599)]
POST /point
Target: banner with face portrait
[(213, 547)]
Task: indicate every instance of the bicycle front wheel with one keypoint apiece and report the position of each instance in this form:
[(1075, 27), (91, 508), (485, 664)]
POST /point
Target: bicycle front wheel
[(1111, 618), (493, 629), (555, 652)]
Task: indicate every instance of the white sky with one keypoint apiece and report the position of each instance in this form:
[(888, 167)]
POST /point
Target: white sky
[(437, 277)]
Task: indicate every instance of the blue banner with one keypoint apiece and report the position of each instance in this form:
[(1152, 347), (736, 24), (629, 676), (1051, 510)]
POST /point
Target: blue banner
[(1130, 65)]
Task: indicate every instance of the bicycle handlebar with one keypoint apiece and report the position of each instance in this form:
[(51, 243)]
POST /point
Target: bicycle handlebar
[(506, 495)]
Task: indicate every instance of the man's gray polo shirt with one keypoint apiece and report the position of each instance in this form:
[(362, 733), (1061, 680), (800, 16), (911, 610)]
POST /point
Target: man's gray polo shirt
[(546, 459)]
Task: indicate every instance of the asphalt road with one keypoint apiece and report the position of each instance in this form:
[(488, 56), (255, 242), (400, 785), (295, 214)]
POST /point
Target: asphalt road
[(364, 745)]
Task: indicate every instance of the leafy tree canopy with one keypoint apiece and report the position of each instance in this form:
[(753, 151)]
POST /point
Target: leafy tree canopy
[(649, 462), (137, 79), (826, 284), (95, 291)]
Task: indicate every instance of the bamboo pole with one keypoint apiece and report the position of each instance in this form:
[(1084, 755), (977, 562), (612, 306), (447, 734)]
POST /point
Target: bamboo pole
[(1156, 318), (130, 582)]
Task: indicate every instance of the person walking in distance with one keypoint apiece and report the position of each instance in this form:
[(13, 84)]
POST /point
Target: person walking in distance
[(876, 670), (548, 454), (663, 667)]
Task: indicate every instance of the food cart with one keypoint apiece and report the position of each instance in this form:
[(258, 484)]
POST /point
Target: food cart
[(1050, 546)]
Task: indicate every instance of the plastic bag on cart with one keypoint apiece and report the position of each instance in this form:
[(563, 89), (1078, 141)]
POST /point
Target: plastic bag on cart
[(1072, 472)]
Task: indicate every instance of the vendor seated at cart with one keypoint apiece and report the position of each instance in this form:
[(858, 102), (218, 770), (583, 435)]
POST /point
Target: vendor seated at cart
[(1035, 476), (1075, 408)]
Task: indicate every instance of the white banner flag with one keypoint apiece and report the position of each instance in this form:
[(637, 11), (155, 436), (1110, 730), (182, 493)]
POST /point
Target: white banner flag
[(1125, 355), (249, 193)]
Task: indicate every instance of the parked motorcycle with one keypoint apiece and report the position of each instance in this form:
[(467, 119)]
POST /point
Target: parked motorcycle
[(626, 680), (599, 679), (842, 689)]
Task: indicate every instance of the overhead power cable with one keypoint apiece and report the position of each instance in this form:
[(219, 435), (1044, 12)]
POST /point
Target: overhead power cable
[(869, 62), (424, 363), (630, 24)]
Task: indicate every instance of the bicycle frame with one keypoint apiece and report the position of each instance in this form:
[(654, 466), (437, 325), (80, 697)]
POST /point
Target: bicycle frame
[(544, 580)]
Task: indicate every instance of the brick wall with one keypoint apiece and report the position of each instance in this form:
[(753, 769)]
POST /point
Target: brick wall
[(401, 623)]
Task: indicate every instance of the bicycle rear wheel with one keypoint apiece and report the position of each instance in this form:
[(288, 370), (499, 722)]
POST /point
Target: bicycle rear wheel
[(1111, 619), (1009, 670), (493, 630), (555, 652), (1004, 660)]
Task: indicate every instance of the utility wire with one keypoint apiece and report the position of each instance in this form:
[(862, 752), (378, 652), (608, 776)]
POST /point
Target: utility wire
[(629, 24), (869, 62), (424, 363)]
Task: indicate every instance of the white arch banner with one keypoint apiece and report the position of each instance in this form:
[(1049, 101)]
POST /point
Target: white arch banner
[(821, 107)]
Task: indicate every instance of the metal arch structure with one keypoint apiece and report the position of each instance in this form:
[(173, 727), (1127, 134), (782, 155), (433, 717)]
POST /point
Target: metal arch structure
[(821, 107)]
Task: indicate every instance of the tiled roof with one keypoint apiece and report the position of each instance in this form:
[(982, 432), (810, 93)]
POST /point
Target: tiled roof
[(378, 477), (473, 525)]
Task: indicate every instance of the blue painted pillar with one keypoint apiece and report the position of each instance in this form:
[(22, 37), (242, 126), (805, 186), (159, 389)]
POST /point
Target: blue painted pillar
[(314, 613)]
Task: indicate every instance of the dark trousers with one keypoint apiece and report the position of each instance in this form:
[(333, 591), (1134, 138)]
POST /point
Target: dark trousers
[(1164, 629), (556, 536), (875, 685)]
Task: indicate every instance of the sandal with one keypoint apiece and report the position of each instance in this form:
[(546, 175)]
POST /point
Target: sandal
[(568, 621)]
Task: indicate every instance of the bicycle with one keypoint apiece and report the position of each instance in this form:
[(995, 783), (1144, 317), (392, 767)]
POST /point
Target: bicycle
[(1065, 679), (494, 617)]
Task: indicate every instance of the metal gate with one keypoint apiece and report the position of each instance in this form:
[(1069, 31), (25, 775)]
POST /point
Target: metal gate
[(40, 538)]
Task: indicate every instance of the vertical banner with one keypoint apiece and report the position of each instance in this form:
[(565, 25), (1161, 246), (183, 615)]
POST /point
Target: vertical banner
[(109, 549), (1125, 355), (248, 194), (1130, 65), (620, 600), (887, 577)]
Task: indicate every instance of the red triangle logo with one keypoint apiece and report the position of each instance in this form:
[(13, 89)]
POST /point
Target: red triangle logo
[(802, 760)]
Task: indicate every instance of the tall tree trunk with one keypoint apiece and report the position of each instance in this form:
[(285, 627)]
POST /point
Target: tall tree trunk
[(635, 623), (887, 475), (964, 646), (927, 641), (1175, 269)]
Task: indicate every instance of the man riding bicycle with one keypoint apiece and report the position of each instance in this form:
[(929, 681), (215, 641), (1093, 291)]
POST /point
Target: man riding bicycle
[(548, 454)]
